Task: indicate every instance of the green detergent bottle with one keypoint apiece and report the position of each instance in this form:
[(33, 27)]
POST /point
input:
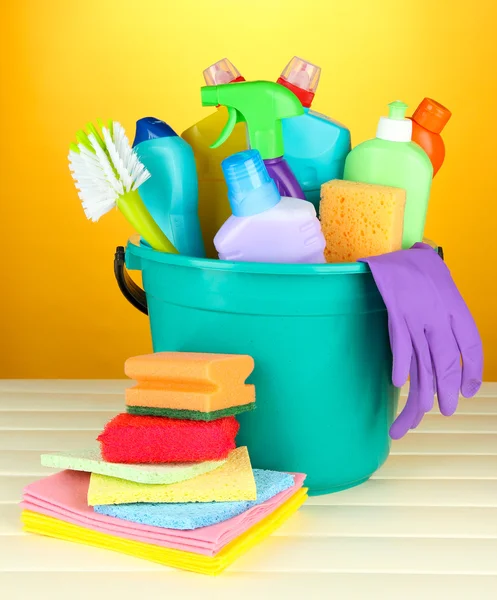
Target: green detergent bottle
[(393, 159)]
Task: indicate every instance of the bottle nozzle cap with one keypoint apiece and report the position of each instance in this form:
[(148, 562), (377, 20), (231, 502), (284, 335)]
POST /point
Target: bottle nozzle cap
[(223, 71), (397, 110), (431, 115), (150, 128), (302, 78), (395, 127), (250, 188)]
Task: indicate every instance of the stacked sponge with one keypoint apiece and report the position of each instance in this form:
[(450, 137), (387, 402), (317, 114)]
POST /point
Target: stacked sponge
[(181, 409), (188, 385), (166, 466)]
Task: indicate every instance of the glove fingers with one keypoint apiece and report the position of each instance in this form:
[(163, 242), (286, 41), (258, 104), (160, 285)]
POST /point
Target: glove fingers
[(404, 421), (447, 365), (418, 419), (410, 412), (423, 373), (471, 349), (400, 342), (415, 387)]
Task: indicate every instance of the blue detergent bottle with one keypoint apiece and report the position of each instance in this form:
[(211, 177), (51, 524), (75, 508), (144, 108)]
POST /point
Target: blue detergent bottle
[(315, 145), (171, 193)]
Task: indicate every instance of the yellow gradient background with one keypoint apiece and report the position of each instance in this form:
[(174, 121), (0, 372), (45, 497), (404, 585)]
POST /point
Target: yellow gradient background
[(65, 63)]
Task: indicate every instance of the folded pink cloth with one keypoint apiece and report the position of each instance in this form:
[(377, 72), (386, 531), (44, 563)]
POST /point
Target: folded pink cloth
[(64, 495)]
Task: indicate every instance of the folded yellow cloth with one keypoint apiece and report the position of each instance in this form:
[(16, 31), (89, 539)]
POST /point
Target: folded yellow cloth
[(231, 482), (189, 561)]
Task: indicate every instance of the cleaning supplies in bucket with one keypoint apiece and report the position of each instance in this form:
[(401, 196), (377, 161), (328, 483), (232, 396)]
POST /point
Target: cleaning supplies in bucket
[(428, 121), (315, 145), (171, 193), (392, 159), (107, 173), (265, 227), (431, 329), (361, 219), (213, 202), (262, 105), (309, 328)]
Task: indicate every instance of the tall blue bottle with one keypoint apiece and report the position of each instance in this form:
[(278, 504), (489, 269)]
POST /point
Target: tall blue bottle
[(171, 193), (315, 145)]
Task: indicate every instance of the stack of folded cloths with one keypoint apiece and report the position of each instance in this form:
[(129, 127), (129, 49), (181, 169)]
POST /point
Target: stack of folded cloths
[(168, 483)]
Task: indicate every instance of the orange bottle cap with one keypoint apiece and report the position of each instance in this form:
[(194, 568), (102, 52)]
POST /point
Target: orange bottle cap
[(431, 115)]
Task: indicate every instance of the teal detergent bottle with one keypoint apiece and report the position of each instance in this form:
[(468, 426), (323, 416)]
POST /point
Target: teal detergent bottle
[(393, 159), (171, 193), (315, 145)]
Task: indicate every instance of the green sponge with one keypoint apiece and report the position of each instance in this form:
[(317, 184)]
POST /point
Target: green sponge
[(91, 461), (194, 415)]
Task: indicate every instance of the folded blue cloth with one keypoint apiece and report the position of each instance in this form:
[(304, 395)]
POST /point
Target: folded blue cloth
[(192, 515)]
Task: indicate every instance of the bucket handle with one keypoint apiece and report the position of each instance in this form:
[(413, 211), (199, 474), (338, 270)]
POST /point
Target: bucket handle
[(130, 290)]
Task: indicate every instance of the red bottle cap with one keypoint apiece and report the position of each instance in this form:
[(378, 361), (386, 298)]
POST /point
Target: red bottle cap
[(431, 115)]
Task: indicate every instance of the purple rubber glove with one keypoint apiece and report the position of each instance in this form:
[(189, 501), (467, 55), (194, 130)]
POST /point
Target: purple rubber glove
[(430, 329)]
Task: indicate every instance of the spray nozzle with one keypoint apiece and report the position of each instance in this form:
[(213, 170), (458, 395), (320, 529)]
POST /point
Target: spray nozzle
[(262, 105), (209, 97)]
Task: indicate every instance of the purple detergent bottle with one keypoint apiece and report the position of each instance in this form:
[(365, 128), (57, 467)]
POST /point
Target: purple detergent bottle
[(261, 105), (265, 227)]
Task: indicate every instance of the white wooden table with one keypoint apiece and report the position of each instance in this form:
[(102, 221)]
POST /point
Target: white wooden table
[(424, 527)]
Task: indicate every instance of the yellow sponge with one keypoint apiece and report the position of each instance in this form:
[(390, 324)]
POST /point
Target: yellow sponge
[(233, 481), (360, 219)]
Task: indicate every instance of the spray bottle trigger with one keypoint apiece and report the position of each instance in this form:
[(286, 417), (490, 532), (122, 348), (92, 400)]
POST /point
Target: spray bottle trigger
[(234, 117)]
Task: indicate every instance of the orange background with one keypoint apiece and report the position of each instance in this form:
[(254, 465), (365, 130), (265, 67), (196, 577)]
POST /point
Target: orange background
[(65, 63)]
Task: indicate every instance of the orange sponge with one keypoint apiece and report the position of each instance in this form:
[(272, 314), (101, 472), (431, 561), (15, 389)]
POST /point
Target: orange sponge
[(360, 219), (188, 385)]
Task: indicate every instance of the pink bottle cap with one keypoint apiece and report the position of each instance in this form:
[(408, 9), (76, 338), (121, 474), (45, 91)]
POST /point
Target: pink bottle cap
[(222, 72), (302, 78)]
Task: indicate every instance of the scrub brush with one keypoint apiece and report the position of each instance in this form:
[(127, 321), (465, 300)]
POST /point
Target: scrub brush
[(108, 173)]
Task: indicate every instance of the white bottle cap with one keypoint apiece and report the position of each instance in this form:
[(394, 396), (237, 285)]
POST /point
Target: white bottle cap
[(395, 127)]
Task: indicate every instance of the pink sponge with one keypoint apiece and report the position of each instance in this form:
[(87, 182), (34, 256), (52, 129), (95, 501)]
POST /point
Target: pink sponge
[(143, 439)]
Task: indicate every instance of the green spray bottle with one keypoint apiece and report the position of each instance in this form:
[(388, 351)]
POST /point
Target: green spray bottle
[(393, 159), (262, 105)]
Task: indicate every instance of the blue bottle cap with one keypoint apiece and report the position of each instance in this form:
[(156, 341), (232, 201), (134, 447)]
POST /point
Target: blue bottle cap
[(250, 188), (150, 128)]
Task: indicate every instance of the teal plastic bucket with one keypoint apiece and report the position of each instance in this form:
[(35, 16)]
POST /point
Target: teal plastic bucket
[(319, 338)]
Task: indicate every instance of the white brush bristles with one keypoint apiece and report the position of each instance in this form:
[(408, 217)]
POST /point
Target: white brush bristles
[(102, 176)]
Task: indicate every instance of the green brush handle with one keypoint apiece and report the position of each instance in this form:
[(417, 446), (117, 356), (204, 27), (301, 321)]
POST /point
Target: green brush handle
[(132, 207)]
